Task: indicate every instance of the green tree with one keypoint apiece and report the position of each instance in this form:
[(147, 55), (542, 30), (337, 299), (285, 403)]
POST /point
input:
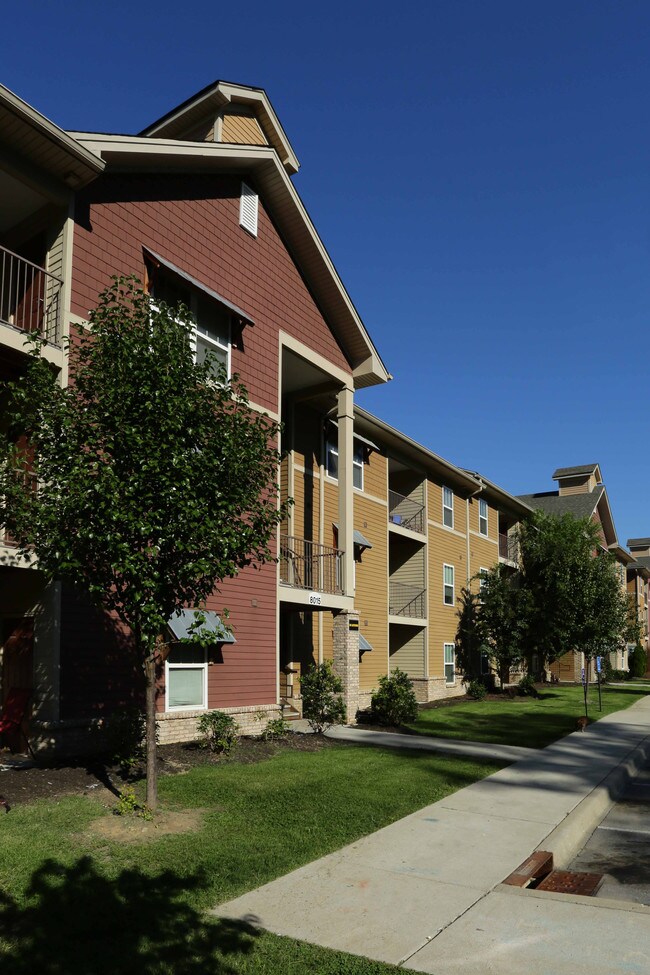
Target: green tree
[(470, 636), (504, 613), (576, 599), (156, 479)]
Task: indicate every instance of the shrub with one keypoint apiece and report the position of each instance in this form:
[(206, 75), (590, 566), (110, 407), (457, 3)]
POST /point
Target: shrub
[(526, 687), (394, 701), (125, 738), (321, 704), (276, 729), (217, 731), (129, 805), (638, 662), (476, 689)]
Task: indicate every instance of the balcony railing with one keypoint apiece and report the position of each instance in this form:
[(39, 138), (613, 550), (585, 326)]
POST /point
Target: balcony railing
[(508, 547), (406, 600), (308, 565), (30, 297), (405, 512)]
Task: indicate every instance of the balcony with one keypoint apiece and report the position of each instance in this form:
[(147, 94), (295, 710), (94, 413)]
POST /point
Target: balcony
[(508, 549), (405, 512), (30, 297), (406, 600), (309, 565)]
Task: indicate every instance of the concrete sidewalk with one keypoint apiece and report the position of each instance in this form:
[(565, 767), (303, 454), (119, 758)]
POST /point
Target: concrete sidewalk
[(426, 891), (420, 743)]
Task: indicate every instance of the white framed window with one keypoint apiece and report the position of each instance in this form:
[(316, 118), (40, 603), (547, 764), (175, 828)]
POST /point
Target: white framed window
[(332, 460), (450, 663), (212, 330), (448, 596), (482, 579), (186, 679), (248, 209), (482, 517), (447, 507)]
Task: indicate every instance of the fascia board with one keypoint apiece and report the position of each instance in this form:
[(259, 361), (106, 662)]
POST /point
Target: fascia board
[(392, 438), (50, 131), (289, 213)]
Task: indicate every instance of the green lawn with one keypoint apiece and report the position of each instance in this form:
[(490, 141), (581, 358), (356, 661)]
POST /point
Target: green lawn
[(72, 903), (532, 722)]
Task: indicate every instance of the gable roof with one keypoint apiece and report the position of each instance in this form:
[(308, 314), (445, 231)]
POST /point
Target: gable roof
[(551, 503), (574, 471), (643, 561), (638, 542), (262, 165), (212, 99)]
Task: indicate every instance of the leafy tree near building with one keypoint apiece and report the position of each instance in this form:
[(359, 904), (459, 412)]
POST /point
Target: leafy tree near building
[(576, 601), (504, 614), (156, 479)]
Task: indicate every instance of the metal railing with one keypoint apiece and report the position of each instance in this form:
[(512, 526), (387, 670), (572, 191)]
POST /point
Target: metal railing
[(30, 297), (405, 600), (405, 512), (309, 565), (508, 547)]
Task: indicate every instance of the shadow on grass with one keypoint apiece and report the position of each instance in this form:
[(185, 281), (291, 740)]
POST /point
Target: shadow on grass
[(77, 922)]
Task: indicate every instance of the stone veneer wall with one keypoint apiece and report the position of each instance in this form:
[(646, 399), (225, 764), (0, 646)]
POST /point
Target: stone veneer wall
[(346, 660), (181, 726), (435, 689)]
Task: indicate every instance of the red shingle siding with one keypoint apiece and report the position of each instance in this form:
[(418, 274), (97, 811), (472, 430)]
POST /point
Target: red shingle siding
[(99, 672), (194, 223)]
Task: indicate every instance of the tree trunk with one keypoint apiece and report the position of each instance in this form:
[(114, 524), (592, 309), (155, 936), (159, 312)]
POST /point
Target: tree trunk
[(152, 764), (504, 675)]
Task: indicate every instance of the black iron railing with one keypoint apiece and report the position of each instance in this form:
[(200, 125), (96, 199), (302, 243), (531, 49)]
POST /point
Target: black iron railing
[(406, 600), (405, 512), (30, 297), (309, 565)]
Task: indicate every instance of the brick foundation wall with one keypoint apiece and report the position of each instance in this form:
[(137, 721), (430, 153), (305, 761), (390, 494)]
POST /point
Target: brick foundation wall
[(181, 726), (435, 689)]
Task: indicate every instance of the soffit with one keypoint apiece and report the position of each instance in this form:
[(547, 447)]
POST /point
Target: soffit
[(32, 137)]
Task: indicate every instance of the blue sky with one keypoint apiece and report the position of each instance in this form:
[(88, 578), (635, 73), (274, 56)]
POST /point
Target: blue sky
[(479, 171)]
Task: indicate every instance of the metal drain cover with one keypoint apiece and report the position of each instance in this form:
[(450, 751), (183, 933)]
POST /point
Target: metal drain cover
[(570, 882)]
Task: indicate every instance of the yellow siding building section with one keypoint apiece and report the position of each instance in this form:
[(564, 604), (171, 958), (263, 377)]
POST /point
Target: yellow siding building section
[(407, 649), (371, 588), (242, 130), (444, 547)]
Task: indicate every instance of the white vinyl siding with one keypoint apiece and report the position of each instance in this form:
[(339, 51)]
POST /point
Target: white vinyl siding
[(448, 585), (482, 517), (450, 663), (447, 507), (248, 209)]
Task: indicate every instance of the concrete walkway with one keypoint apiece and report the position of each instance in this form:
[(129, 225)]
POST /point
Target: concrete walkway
[(419, 743), (426, 891)]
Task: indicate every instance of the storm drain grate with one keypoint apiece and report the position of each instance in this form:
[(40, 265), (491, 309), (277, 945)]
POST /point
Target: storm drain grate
[(570, 882)]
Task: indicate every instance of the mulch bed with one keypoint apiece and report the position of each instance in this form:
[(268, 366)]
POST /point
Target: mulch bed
[(23, 785)]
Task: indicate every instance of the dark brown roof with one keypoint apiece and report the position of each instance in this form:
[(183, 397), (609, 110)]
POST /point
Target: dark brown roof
[(571, 471), (578, 505), (638, 542), (643, 560)]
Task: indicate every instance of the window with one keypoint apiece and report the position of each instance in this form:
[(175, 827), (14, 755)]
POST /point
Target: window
[(482, 517), (482, 582), (450, 663), (332, 460), (186, 679), (248, 209), (447, 507), (448, 585), (212, 328)]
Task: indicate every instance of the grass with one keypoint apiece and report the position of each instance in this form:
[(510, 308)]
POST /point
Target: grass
[(531, 722), (73, 902)]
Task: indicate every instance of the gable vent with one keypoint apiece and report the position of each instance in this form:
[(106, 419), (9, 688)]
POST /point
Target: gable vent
[(248, 206)]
